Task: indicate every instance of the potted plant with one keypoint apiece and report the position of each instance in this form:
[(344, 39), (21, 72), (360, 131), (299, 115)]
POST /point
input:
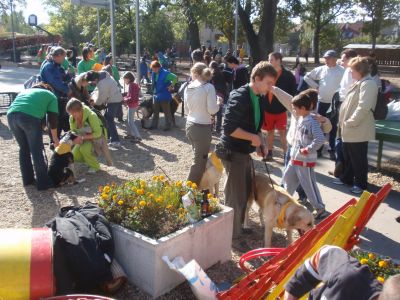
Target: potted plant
[(151, 221)]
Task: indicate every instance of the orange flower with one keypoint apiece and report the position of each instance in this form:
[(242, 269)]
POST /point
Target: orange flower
[(380, 279), (140, 192), (383, 264)]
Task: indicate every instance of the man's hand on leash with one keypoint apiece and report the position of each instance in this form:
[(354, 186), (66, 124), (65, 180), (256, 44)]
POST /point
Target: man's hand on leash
[(261, 151), (256, 140)]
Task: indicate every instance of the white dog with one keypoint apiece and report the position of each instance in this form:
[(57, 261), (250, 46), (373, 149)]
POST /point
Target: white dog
[(277, 208)]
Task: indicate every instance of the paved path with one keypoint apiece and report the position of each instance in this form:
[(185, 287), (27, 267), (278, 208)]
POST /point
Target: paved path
[(382, 234)]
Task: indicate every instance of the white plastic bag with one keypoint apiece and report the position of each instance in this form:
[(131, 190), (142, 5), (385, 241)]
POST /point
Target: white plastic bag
[(202, 286), (393, 111)]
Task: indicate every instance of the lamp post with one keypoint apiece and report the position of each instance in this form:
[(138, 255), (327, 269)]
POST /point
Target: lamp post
[(137, 43), (112, 18), (98, 28), (13, 32), (236, 24)]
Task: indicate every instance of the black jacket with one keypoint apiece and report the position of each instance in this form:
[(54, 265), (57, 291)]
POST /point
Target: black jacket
[(240, 77), (286, 82), (240, 114)]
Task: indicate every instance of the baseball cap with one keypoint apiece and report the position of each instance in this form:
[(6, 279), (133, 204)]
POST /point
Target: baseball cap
[(330, 53)]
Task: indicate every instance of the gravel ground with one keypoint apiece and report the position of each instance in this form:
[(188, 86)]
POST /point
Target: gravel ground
[(27, 207)]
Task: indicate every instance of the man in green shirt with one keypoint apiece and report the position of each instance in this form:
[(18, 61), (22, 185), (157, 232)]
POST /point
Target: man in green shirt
[(24, 119)]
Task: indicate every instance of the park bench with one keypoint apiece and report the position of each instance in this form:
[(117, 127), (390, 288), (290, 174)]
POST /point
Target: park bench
[(6, 98), (388, 131)]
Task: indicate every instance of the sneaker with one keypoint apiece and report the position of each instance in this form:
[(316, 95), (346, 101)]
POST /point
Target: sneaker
[(114, 144), (337, 181), (320, 214), (92, 171), (268, 157), (356, 190)]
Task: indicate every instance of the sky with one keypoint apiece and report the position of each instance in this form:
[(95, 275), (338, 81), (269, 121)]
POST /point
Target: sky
[(37, 8)]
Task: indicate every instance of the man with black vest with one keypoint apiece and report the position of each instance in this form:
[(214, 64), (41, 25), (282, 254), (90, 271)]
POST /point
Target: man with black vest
[(241, 136)]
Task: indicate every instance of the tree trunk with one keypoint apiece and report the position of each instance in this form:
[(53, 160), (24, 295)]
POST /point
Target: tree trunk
[(193, 27), (317, 30), (266, 32), (374, 33), (252, 37)]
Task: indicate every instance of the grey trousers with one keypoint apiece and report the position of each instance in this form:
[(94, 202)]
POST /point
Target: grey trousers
[(237, 187), (199, 136), (294, 176), (166, 107)]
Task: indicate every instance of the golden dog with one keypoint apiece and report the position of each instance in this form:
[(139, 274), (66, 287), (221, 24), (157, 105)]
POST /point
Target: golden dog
[(212, 175), (277, 209)]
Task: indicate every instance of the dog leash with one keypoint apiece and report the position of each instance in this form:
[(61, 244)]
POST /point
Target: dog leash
[(268, 172), (253, 170)]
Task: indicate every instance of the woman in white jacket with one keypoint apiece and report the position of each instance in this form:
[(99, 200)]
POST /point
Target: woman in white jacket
[(357, 125), (107, 93), (200, 103)]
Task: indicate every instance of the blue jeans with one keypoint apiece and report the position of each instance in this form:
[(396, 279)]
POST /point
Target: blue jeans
[(132, 129), (27, 131), (111, 113)]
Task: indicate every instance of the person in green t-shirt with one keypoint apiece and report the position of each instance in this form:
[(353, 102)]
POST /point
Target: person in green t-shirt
[(25, 121), (86, 64)]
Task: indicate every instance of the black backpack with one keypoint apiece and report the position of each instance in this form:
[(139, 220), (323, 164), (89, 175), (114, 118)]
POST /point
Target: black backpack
[(381, 109)]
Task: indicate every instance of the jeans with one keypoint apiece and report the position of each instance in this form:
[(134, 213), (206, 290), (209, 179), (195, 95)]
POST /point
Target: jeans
[(199, 136), (27, 131), (322, 108), (132, 129), (111, 112)]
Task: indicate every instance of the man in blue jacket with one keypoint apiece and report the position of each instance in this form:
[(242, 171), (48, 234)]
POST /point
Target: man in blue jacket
[(241, 137), (162, 81), (53, 74)]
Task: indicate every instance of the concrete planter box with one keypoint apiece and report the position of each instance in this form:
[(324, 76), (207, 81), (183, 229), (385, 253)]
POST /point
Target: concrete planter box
[(208, 242)]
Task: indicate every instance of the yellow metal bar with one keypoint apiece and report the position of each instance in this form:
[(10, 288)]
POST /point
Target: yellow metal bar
[(15, 257)]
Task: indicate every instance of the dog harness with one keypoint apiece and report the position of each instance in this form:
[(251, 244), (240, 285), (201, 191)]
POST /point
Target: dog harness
[(282, 214), (216, 162)]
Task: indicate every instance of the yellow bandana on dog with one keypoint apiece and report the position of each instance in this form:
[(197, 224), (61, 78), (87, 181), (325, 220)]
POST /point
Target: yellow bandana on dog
[(216, 162), (63, 148)]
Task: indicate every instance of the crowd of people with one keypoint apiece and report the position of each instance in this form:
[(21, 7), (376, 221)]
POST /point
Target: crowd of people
[(333, 103)]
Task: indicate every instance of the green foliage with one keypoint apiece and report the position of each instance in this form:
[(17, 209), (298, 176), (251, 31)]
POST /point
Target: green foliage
[(331, 38), (20, 25), (284, 25), (156, 31)]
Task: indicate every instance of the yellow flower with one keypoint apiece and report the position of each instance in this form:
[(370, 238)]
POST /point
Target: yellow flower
[(142, 183), (151, 195), (371, 256), (106, 189), (155, 178), (194, 186), (115, 197), (383, 264), (159, 199), (189, 183), (169, 206), (133, 189), (364, 261), (120, 202), (380, 279), (142, 203), (162, 177), (104, 196), (140, 192), (209, 195), (178, 183)]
